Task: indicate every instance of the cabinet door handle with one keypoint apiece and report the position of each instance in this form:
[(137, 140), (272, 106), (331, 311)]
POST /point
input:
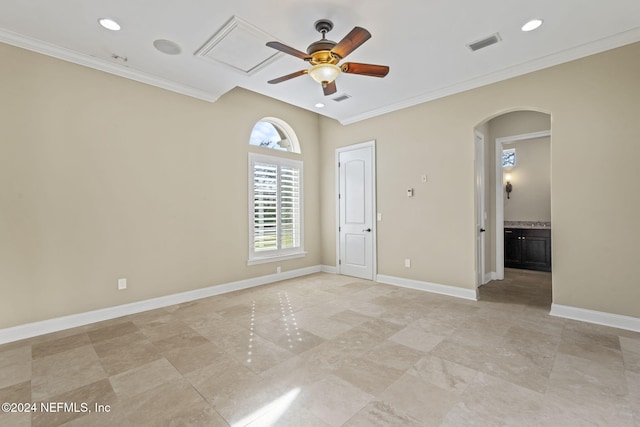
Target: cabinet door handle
[(508, 231)]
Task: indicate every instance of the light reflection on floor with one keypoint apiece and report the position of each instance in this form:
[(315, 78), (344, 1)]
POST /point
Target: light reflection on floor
[(289, 323), (289, 320), (251, 331), (269, 414)]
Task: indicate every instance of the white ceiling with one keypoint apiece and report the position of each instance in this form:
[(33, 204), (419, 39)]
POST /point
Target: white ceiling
[(423, 41)]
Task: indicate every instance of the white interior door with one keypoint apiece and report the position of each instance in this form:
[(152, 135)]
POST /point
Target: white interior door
[(356, 233)]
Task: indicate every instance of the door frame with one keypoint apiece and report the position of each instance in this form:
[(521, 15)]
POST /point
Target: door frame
[(499, 195), (480, 208), (374, 238)]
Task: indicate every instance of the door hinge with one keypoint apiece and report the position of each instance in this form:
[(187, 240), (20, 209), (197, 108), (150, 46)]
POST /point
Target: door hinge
[(339, 262), (339, 229), (338, 164), (339, 196)]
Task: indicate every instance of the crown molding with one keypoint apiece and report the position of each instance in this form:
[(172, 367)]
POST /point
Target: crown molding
[(558, 58), (68, 55)]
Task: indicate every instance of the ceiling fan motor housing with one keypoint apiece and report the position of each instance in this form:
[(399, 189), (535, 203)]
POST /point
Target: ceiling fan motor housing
[(320, 45), (321, 49)]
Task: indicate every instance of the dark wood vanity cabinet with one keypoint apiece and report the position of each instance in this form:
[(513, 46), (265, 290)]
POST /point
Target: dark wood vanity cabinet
[(528, 248)]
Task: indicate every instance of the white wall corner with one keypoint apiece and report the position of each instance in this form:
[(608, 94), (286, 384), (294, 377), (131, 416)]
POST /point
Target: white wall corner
[(598, 317), (435, 288), (488, 277), (29, 330)]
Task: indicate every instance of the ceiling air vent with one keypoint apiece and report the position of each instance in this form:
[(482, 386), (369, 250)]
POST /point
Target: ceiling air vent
[(342, 98), (487, 41)]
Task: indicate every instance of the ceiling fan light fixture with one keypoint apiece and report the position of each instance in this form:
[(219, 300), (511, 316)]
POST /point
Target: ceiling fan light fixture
[(324, 73)]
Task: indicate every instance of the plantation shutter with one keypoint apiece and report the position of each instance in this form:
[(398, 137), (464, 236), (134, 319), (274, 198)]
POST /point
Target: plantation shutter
[(289, 208), (276, 211), (265, 206)]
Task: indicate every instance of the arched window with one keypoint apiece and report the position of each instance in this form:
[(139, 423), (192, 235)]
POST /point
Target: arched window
[(275, 195), (274, 133)]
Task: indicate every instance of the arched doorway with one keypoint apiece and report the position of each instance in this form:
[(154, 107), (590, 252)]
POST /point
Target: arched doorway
[(524, 137)]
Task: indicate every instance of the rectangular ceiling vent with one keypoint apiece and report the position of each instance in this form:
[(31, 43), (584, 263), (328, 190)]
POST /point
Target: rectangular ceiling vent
[(487, 41), (342, 98), (239, 46)]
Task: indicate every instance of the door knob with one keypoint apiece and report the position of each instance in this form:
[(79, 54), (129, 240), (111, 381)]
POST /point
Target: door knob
[(368, 230), (482, 230)]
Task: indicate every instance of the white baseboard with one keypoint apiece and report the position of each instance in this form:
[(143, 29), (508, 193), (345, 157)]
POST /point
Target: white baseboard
[(29, 330), (597, 317), (329, 269), (488, 277), (452, 291)]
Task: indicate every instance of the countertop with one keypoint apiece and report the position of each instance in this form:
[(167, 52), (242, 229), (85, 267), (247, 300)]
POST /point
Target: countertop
[(527, 224)]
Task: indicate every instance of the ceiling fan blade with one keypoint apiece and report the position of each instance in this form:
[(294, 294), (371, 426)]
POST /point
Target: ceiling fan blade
[(329, 88), (288, 49), (365, 69), (351, 42), (287, 77)]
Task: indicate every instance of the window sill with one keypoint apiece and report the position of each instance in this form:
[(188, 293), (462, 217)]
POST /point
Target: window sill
[(264, 260)]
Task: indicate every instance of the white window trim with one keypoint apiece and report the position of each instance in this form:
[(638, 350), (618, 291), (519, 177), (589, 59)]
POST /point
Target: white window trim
[(282, 254), (282, 127)]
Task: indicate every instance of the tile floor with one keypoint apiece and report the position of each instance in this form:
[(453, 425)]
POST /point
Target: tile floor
[(327, 350)]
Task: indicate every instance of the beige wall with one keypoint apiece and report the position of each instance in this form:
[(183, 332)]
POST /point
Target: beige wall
[(531, 177), (103, 178), (532, 171), (593, 103)]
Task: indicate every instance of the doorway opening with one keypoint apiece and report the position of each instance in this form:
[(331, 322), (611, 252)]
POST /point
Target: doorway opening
[(519, 205)]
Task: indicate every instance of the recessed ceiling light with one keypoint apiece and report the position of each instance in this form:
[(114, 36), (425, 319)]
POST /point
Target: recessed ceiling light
[(109, 24), (532, 25), (320, 105), (167, 46)]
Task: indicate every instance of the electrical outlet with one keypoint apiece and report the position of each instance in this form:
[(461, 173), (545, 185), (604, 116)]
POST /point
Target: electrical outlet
[(407, 263), (379, 216), (122, 284), (278, 270)]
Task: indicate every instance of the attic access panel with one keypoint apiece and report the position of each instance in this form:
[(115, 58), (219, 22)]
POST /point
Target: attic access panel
[(239, 46)]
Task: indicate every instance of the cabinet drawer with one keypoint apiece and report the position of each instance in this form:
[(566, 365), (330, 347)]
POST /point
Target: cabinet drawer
[(536, 232)]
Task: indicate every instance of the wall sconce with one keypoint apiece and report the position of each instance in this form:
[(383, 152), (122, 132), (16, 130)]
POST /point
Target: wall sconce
[(508, 187)]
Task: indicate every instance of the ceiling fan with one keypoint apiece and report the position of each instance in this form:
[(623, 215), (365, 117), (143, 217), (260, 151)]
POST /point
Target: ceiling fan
[(324, 56)]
